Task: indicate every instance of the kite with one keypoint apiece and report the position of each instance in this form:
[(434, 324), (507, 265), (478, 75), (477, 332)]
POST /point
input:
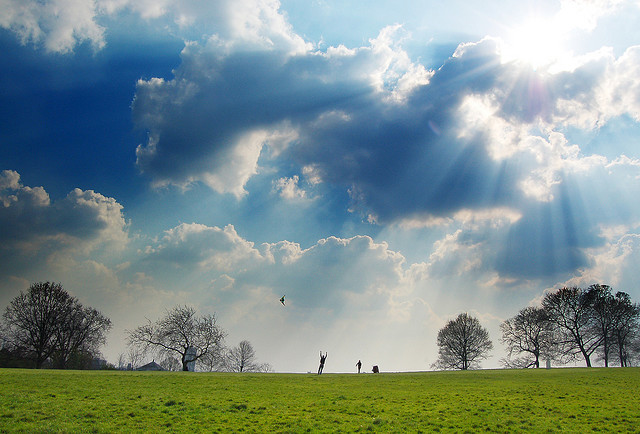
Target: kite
[(282, 300)]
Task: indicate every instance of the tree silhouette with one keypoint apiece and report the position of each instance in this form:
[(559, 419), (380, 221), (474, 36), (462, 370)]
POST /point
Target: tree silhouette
[(462, 343), (47, 323), (242, 358), (529, 332), (83, 331), (572, 314), (625, 327), (602, 304)]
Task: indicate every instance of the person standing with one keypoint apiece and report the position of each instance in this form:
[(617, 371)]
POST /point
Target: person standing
[(359, 365), (322, 359)]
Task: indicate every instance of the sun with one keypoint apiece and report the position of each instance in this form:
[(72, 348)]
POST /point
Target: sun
[(538, 42)]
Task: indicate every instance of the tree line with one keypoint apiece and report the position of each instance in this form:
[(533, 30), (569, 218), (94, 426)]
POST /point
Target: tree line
[(571, 324), (46, 327)]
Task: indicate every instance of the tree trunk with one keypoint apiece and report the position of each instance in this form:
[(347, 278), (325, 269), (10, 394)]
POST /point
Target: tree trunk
[(587, 358), (618, 344), (185, 366)]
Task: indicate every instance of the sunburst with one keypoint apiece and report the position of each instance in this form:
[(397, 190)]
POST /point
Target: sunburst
[(538, 42)]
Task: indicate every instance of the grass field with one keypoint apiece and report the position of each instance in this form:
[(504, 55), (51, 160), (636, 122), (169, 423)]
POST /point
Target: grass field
[(556, 400)]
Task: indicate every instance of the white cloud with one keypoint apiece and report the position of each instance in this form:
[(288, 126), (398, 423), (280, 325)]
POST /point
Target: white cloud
[(59, 25), (9, 180), (195, 245), (81, 221), (289, 188), (455, 255), (237, 165), (323, 275), (596, 87), (626, 165), (312, 175), (479, 115), (613, 263), (423, 221), (468, 218), (259, 22), (146, 8), (233, 24), (553, 157), (469, 248), (284, 252), (494, 218), (394, 74), (623, 85)]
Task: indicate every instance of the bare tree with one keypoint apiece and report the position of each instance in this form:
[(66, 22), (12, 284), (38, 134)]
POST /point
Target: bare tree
[(179, 332), (134, 357), (215, 360), (170, 363), (633, 351), (84, 330), (265, 367), (529, 332), (602, 304), (572, 314), (47, 322), (32, 319), (242, 358), (121, 364), (462, 343), (625, 327)]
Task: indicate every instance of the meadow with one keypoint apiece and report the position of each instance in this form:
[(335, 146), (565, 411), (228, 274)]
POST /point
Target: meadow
[(555, 400)]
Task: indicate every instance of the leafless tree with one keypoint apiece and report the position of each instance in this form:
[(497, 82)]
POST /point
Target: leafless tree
[(170, 363), (134, 357), (632, 356), (625, 328), (121, 364), (242, 358), (215, 360), (462, 343), (603, 305), (530, 333), (83, 331), (573, 316), (265, 367), (32, 319), (180, 332), (47, 322)]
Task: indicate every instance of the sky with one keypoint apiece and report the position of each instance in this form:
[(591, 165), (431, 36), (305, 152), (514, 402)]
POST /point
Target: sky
[(385, 166)]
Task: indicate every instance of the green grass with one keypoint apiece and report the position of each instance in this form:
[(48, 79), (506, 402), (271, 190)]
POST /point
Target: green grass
[(557, 400)]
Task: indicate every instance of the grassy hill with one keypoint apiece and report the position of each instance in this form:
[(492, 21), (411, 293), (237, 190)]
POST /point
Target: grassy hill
[(567, 400)]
